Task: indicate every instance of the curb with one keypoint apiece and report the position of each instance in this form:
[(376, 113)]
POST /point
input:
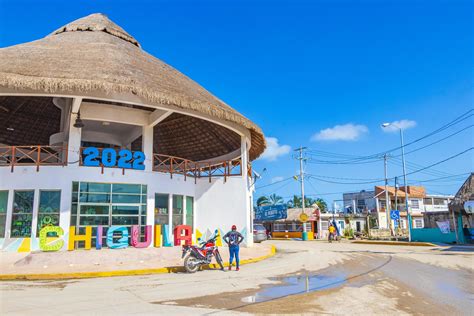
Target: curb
[(106, 274), (395, 243)]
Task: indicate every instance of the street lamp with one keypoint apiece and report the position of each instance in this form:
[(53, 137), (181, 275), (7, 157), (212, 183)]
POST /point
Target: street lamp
[(385, 125)]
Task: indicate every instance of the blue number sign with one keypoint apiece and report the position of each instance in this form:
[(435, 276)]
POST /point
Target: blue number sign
[(271, 212), (125, 158)]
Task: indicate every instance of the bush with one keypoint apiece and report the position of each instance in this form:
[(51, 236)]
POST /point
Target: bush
[(349, 232)]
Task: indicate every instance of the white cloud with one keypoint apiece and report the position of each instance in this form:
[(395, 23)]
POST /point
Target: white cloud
[(346, 132), (277, 179), (396, 125), (274, 150)]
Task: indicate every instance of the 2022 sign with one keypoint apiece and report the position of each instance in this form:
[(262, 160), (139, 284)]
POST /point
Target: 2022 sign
[(109, 157)]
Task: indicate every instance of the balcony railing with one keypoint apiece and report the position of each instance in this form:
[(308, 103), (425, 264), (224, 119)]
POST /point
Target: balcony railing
[(187, 168), (11, 156)]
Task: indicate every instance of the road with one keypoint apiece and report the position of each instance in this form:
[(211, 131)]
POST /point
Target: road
[(304, 277)]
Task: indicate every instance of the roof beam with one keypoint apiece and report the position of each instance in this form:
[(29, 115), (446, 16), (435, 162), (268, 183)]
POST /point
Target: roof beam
[(158, 116)]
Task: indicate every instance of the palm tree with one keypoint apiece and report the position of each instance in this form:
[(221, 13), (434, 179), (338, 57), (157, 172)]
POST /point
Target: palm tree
[(275, 199), (295, 202), (323, 206), (263, 200)]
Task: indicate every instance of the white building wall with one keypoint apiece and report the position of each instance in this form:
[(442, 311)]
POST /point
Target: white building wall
[(220, 205)]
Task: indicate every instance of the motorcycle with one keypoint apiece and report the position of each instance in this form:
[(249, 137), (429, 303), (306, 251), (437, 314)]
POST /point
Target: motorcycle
[(195, 257)]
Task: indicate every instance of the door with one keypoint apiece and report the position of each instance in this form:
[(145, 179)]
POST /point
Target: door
[(358, 227)]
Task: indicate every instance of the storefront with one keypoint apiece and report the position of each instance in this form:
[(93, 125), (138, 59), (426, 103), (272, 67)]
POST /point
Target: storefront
[(137, 149)]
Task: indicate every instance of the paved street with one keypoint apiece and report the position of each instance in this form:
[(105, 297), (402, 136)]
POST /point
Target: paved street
[(311, 277)]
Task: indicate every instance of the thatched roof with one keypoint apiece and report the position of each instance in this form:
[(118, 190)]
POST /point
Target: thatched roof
[(464, 194), (95, 56)]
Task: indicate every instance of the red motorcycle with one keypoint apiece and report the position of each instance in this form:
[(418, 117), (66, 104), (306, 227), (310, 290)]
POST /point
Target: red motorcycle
[(195, 256)]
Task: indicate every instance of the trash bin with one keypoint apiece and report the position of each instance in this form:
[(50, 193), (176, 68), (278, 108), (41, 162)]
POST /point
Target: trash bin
[(305, 236)]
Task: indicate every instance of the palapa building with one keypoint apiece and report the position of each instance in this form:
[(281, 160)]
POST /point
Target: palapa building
[(97, 135)]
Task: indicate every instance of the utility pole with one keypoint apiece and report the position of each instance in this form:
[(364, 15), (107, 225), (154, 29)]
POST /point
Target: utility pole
[(301, 159), (387, 198), (406, 185)]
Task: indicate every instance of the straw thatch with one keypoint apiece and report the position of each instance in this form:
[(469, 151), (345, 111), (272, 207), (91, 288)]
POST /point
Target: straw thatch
[(95, 56), (464, 194)]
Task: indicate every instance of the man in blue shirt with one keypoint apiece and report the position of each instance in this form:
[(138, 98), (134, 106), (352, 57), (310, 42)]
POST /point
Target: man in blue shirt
[(233, 239)]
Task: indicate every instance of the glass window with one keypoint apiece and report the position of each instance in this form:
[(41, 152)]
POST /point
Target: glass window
[(177, 210), (190, 211), (415, 204), (161, 209), (126, 198), (127, 188), (427, 201), (438, 201), (95, 187), (22, 213), (3, 212), (94, 210), (49, 209), (108, 204), (418, 223)]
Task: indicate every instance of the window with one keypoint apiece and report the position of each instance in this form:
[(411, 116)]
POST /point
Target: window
[(324, 225), (161, 209), (341, 224), (49, 209), (290, 227), (427, 201), (3, 212), (22, 216), (438, 201), (177, 210), (418, 223), (190, 211), (403, 224), (383, 204), (108, 204), (415, 204)]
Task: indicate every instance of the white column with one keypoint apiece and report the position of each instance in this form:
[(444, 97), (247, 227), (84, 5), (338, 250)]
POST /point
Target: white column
[(244, 154), (184, 210), (170, 215), (34, 222), (147, 147), (8, 221), (65, 211), (74, 141)]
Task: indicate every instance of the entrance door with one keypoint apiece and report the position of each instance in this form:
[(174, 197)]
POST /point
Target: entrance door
[(358, 227)]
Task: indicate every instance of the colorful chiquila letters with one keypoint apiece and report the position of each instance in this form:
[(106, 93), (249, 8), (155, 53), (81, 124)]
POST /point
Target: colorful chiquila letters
[(117, 237)]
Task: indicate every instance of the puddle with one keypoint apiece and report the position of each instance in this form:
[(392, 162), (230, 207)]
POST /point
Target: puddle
[(292, 285)]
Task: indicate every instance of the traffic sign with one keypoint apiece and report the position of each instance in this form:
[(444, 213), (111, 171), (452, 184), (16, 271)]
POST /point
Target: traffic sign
[(395, 215)]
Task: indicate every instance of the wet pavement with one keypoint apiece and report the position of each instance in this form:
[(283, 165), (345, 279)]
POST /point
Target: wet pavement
[(419, 288)]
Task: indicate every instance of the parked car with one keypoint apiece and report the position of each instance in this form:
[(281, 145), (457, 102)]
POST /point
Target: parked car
[(259, 233)]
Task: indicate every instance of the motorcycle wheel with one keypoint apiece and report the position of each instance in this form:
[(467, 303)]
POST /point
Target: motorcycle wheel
[(219, 260), (191, 264)]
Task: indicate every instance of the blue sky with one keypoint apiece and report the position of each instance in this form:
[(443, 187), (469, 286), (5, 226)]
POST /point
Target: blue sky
[(297, 68)]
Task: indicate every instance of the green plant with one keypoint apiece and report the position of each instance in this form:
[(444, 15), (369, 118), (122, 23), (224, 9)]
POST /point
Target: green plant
[(349, 232)]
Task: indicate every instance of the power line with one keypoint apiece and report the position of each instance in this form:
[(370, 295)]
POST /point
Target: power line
[(353, 159)]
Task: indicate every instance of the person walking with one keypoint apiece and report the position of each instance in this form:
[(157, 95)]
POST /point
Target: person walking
[(332, 232), (233, 239)]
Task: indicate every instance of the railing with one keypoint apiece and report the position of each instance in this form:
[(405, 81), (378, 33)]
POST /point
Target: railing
[(188, 168), (11, 156)]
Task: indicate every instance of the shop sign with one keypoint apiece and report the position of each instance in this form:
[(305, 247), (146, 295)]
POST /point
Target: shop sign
[(271, 212), (110, 158)]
